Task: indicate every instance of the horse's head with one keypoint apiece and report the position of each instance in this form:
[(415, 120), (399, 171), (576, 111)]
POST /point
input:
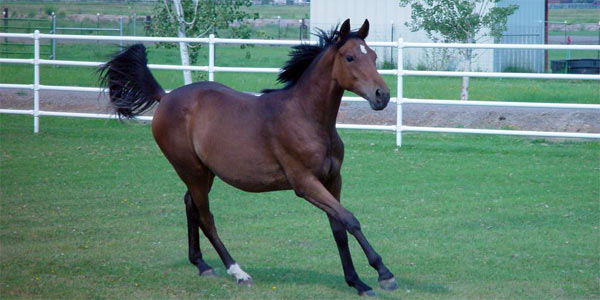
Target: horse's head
[(354, 66)]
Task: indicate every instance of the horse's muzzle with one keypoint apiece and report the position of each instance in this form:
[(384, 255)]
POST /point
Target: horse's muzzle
[(380, 99)]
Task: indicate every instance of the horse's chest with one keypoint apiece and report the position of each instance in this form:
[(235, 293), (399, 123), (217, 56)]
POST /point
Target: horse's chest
[(329, 167), (308, 151), (325, 164)]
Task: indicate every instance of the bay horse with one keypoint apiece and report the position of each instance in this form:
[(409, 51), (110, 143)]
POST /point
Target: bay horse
[(283, 139)]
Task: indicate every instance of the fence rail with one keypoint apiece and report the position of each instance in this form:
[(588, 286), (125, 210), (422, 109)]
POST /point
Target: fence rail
[(400, 73)]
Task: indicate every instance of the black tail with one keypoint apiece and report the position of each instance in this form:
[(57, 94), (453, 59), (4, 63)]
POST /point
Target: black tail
[(131, 87)]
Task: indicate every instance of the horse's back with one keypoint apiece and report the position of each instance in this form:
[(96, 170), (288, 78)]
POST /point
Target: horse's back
[(220, 128), (200, 101), (200, 93)]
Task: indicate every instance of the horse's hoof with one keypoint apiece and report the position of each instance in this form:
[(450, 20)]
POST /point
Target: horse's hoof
[(208, 273), (247, 282), (369, 293), (388, 284)]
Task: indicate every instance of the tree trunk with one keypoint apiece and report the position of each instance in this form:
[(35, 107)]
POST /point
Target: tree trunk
[(183, 49), (464, 93)]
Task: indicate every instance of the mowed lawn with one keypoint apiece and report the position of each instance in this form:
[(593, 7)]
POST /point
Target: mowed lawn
[(91, 209)]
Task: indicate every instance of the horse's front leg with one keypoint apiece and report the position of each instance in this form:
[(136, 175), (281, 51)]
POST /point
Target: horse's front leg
[(312, 190), (341, 239)]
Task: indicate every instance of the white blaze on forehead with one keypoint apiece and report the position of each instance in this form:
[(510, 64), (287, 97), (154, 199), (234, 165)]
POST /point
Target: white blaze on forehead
[(237, 272), (363, 49)]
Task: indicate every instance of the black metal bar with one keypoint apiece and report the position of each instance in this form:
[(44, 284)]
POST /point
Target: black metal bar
[(12, 52), (27, 45), (25, 27), (87, 28), (24, 19)]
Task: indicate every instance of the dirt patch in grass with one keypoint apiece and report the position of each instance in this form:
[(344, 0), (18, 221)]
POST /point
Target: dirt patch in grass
[(571, 120)]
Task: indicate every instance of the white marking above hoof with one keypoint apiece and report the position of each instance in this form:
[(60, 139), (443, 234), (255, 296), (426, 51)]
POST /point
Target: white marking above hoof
[(238, 273)]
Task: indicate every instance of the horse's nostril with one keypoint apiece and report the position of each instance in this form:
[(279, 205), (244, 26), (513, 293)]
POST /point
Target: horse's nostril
[(378, 93)]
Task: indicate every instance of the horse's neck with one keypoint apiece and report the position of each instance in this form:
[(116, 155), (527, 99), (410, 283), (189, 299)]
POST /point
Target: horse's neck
[(318, 93)]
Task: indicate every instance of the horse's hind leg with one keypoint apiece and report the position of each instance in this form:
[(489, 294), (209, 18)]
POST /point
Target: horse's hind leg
[(199, 189), (193, 223)]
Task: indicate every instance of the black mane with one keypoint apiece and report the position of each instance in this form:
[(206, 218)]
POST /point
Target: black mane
[(303, 55)]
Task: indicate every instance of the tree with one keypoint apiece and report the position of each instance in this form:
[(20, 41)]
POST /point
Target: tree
[(462, 21), (199, 18)]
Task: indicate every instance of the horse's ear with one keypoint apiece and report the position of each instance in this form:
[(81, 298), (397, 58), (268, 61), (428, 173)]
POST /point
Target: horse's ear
[(344, 30), (363, 32)]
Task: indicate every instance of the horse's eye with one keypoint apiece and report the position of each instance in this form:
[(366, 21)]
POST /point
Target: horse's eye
[(349, 58)]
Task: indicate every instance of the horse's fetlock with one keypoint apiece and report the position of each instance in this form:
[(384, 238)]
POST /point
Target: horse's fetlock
[(194, 256), (351, 279), (387, 275), (375, 260)]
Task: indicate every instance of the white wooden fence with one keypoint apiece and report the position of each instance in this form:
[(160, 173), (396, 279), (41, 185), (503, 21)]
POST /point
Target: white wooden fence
[(400, 73)]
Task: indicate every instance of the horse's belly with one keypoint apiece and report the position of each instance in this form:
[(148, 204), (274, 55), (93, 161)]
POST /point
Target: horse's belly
[(259, 183), (248, 166), (253, 177)]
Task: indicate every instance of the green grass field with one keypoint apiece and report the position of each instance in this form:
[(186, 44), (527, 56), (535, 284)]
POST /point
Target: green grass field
[(38, 8), (32, 8), (41, 9), (65, 11), (91, 209), (574, 16), (285, 12), (44, 25)]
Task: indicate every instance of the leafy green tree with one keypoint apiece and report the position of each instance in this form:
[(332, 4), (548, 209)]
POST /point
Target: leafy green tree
[(459, 21), (199, 18)]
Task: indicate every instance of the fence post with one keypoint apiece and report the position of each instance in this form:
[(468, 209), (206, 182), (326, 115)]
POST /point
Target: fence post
[(391, 40), (399, 93), (36, 81), (53, 32), (134, 25), (5, 17), (211, 57), (121, 31), (279, 27), (97, 26)]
